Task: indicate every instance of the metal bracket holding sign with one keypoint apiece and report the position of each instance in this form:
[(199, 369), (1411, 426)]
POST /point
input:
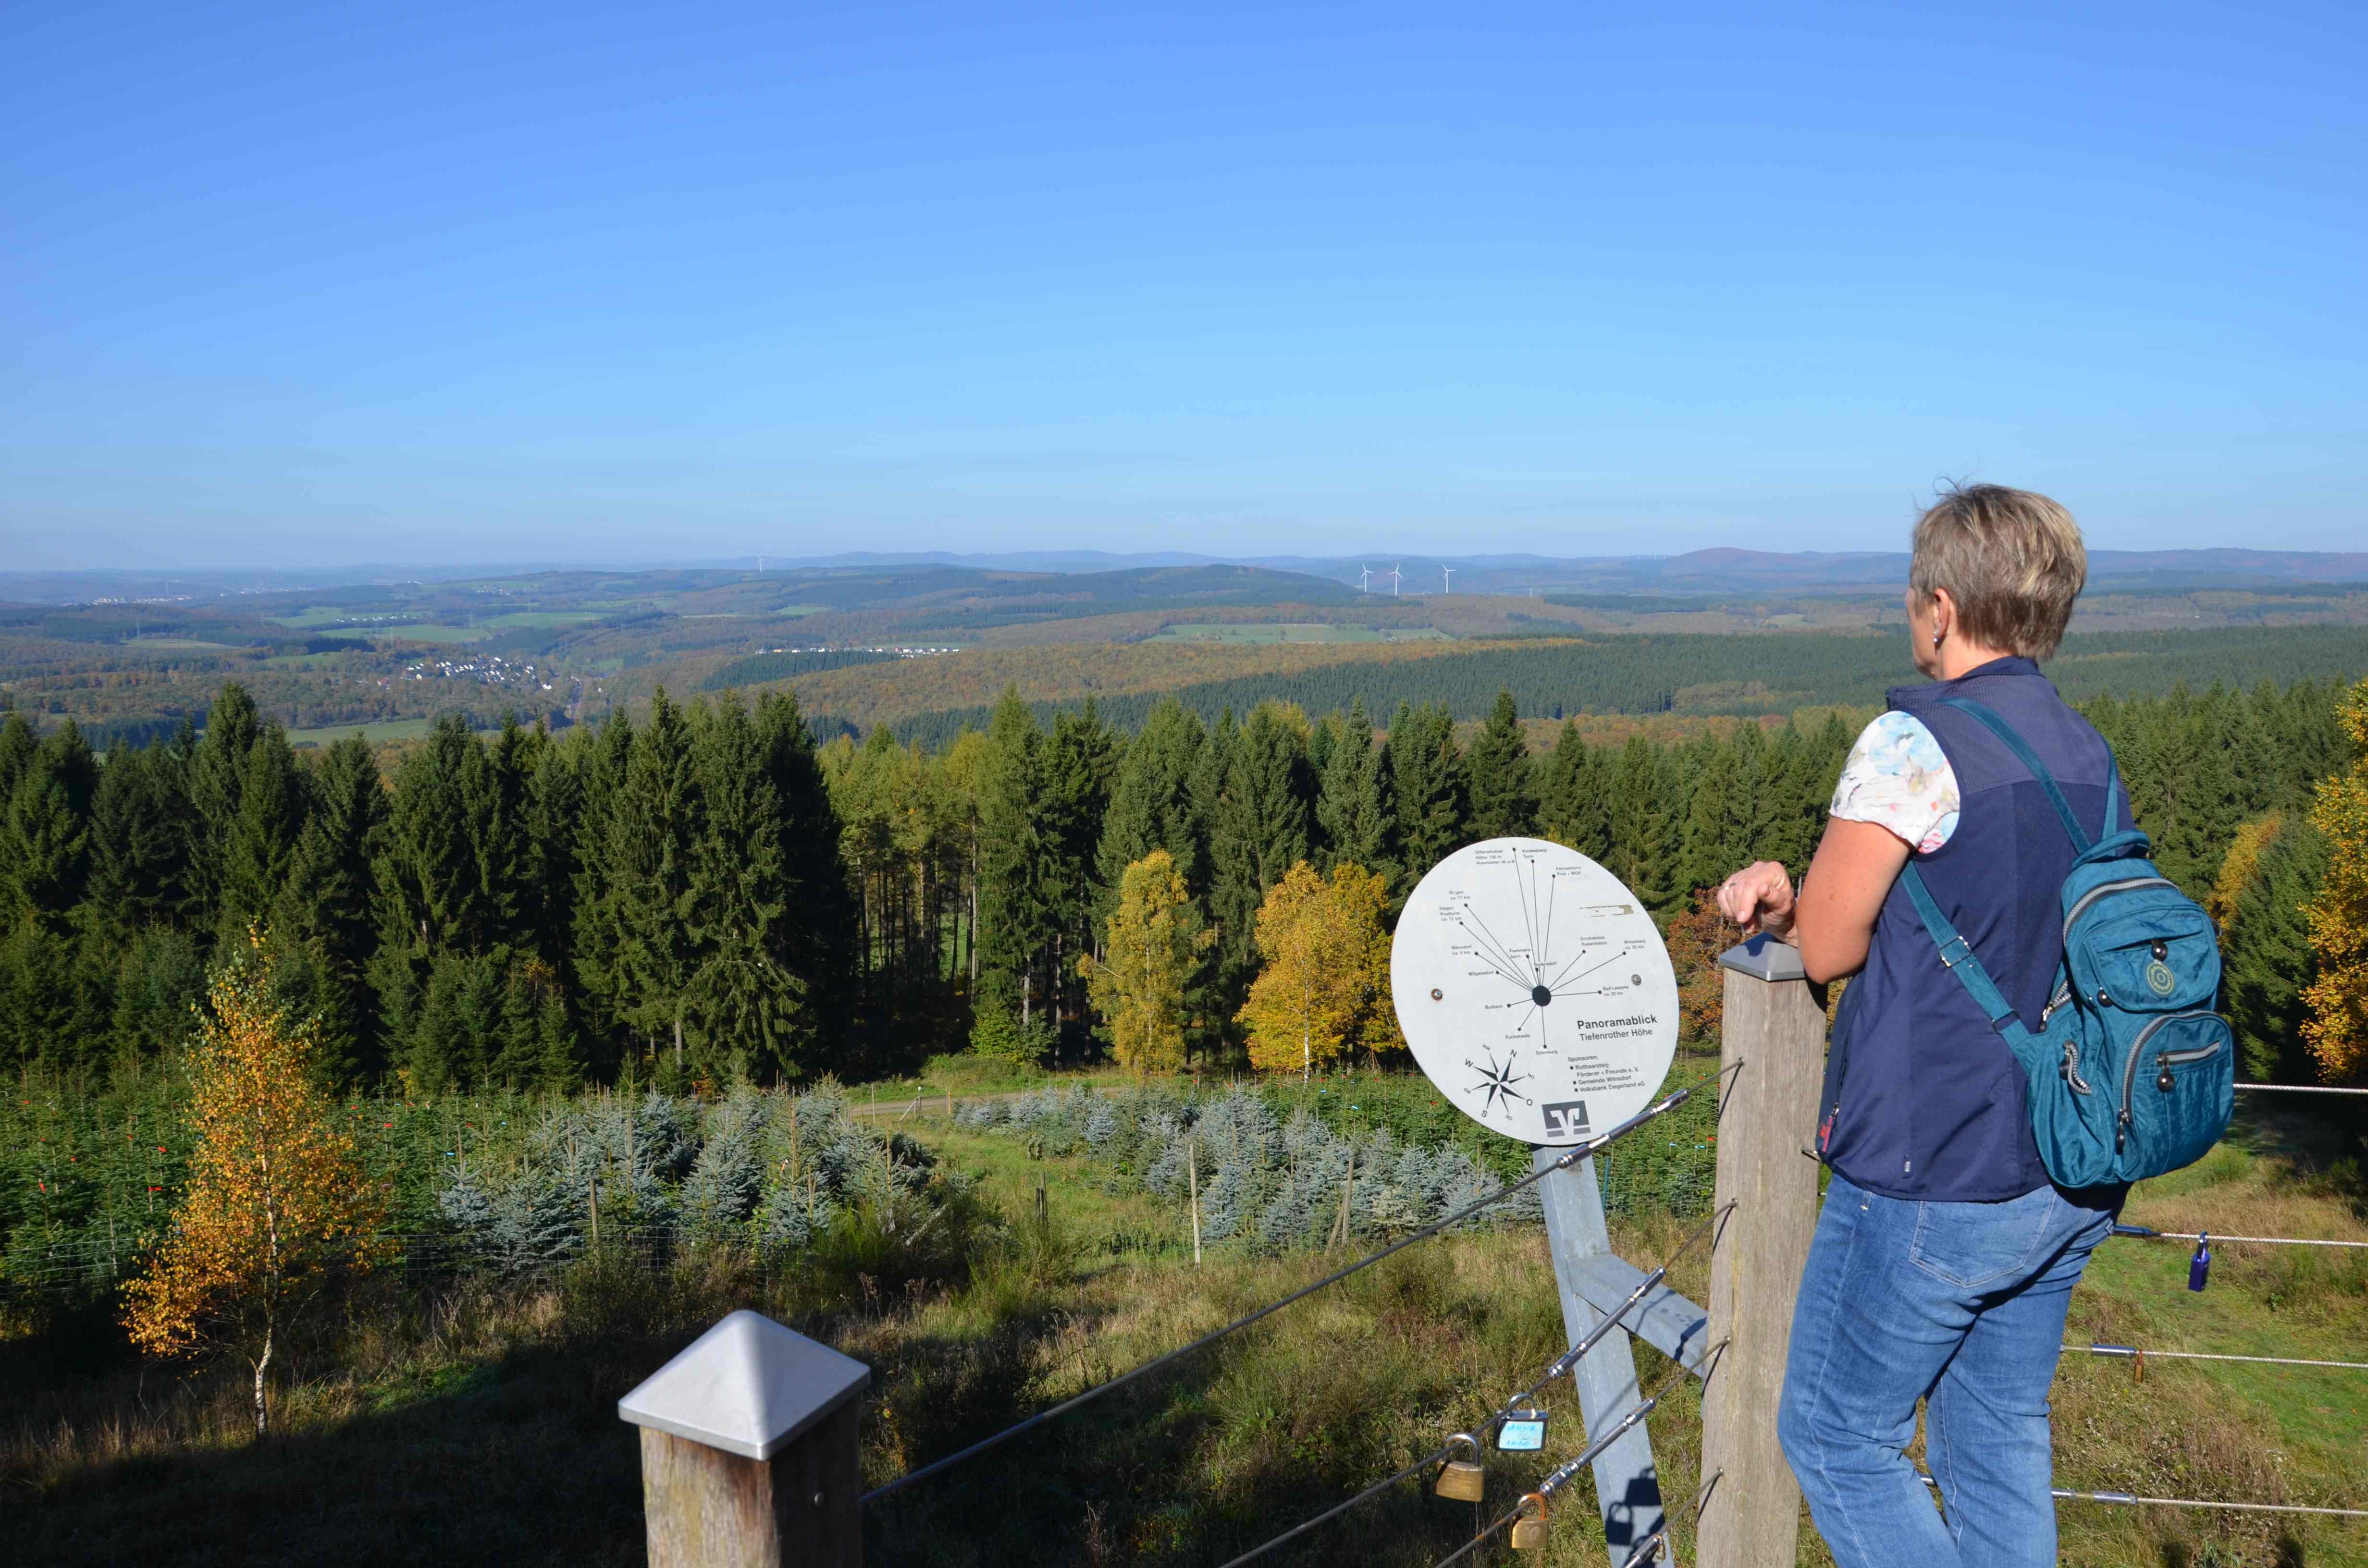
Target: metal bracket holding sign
[(1537, 995)]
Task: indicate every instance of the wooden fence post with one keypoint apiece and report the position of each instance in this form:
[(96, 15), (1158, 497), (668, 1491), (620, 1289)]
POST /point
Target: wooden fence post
[(749, 1456), (1771, 1053)]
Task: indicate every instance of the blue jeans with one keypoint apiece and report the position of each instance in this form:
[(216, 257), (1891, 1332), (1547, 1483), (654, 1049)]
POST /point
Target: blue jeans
[(1961, 1305)]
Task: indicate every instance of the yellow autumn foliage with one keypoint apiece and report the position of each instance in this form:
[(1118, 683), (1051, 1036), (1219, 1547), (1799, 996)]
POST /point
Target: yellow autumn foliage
[(2237, 865), (1149, 950), (277, 1203), (2337, 1030), (1324, 990)]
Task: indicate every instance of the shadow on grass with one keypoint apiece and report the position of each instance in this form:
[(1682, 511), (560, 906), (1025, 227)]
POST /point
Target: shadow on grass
[(526, 1463)]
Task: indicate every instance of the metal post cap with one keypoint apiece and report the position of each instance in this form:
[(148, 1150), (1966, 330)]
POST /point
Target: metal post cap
[(746, 1386), (1764, 958)]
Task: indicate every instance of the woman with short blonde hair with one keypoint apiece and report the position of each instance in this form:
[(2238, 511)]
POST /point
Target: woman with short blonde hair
[(1944, 1258)]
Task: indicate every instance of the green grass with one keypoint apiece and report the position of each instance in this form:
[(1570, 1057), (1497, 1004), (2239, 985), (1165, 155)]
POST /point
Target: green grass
[(383, 730), (473, 1422), (429, 633), (1296, 632), (542, 617)]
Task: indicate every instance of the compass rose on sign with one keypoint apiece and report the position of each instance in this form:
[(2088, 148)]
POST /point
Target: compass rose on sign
[(1499, 1080)]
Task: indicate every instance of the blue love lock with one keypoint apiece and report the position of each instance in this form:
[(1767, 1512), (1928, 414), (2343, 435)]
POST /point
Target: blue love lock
[(2199, 1268), (1523, 1431)]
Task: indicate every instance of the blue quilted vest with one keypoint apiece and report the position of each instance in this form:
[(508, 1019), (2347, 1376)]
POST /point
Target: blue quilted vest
[(1923, 1098)]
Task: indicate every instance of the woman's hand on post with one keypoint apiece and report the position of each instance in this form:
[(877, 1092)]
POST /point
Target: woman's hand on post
[(1758, 898)]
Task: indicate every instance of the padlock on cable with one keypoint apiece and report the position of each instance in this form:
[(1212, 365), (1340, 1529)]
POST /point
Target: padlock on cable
[(2199, 1268), (1530, 1530), (1462, 1480)]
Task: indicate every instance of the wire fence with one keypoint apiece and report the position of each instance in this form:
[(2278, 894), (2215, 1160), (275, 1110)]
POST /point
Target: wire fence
[(1570, 1158), (2141, 1356)]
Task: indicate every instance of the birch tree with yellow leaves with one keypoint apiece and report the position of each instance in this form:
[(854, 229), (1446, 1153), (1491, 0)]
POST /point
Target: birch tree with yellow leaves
[(278, 1208), (1324, 991), (2338, 1026)]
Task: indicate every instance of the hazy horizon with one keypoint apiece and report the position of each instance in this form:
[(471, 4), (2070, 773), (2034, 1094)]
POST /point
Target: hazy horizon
[(296, 286)]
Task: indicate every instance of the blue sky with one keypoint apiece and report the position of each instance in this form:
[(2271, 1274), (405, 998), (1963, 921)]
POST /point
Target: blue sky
[(427, 283)]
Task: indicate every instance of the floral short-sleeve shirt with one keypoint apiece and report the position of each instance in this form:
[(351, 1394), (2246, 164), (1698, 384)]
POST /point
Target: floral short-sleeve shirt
[(1898, 779)]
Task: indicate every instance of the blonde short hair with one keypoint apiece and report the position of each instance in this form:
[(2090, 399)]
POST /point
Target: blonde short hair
[(2011, 559)]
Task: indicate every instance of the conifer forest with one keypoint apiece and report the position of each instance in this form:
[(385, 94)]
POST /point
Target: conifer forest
[(701, 894)]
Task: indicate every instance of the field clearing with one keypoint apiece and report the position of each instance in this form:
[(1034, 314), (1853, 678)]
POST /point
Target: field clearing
[(432, 632), (1296, 632), (885, 693), (541, 618), (376, 732)]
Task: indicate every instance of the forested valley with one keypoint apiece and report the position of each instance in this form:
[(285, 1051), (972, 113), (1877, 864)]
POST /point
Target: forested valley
[(705, 895)]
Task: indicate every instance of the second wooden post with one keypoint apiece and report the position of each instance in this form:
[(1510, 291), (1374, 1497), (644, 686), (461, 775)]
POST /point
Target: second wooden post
[(1772, 1054)]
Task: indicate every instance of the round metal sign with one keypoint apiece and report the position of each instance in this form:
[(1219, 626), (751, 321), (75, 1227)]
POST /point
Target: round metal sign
[(1534, 991)]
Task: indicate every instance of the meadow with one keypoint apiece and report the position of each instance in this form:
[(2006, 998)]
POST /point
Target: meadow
[(466, 1412)]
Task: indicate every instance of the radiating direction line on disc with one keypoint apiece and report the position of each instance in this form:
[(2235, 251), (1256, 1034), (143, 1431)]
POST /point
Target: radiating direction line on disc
[(1506, 965)]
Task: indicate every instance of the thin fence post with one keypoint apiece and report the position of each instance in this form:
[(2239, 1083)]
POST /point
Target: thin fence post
[(1770, 1057), (749, 1456)]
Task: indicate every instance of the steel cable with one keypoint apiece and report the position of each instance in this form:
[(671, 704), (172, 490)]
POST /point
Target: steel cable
[(1557, 1368), (2146, 1234), (2131, 1499), (2132, 1353), (1562, 1474), (1564, 1162)]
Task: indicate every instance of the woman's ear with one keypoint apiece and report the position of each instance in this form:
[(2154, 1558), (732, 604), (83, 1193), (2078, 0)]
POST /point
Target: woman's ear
[(1944, 616)]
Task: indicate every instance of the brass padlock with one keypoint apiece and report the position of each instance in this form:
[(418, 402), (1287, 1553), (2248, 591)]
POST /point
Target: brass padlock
[(1530, 1530), (1463, 1480)]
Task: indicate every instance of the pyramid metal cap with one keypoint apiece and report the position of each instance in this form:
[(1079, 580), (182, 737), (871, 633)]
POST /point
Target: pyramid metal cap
[(746, 1386), (1764, 958)]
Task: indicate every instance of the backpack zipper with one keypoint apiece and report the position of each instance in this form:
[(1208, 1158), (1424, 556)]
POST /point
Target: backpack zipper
[(2130, 1067), (2072, 1068), (2103, 890)]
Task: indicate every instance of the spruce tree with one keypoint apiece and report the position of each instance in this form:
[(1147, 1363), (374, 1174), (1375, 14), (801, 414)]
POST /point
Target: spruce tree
[(218, 766), (17, 744), (1575, 807), (748, 1007), (1708, 851), (654, 840), (1080, 760), (1353, 816), (593, 953), (1013, 904), (329, 906), (1429, 790), (553, 813), (2266, 955), (1151, 804), (1259, 832), (272, 806), (45, 836), (1645, 838), (1503, 793), (140, 842)]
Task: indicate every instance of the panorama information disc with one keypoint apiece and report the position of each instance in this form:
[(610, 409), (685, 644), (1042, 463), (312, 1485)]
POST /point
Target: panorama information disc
[(1534, 991)]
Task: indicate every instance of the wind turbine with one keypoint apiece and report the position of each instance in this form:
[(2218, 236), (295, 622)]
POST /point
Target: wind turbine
[(1397, 575), (1364, 579), (1447, 575)]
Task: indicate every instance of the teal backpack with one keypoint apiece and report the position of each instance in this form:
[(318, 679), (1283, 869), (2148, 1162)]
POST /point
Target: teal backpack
[(2130, 1073)]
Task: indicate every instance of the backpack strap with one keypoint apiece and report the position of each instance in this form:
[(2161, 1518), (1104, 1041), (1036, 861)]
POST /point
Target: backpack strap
[(1958, 957), (2112, 791), (2030, 759)]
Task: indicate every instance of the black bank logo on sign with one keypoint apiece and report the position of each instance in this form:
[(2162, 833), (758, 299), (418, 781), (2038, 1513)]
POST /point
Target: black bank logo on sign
[(1566, 1120)]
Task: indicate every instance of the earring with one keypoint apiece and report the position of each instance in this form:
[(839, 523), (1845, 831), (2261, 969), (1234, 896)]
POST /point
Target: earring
[(1936, 637)]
